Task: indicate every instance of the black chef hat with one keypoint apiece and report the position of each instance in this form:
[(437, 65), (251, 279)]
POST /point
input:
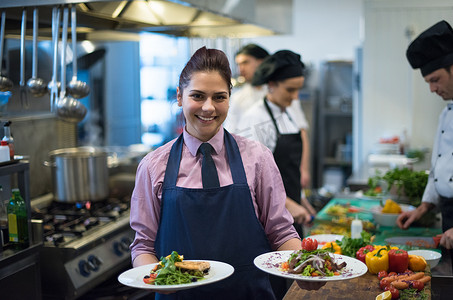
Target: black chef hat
[(281, 65), (432, 49), (253, 50)]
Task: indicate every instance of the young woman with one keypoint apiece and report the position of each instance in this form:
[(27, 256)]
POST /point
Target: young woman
[(241, 218), (279, 125)]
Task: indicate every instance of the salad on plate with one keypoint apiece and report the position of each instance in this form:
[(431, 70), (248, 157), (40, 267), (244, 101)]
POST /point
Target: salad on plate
[(172, 270), (311, 261)]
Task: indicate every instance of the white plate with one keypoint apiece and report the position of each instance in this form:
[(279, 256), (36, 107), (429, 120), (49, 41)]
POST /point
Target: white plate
[(325, 238), (134, 277), (270, 263), (371, 198)]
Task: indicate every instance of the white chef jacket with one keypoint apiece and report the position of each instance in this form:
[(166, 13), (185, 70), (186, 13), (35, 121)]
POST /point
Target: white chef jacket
[(440, 180), (240, 101), (257, 124)]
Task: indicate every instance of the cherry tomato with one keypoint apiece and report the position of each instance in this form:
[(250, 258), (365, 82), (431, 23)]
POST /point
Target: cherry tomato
[(150, 279), (395, 292), (383, 283), (418, 285), (393, 274), (309, 244), (382, 274)]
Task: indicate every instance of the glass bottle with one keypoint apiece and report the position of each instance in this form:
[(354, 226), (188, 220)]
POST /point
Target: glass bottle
[(17, 221), (3, 220), (8, 138)]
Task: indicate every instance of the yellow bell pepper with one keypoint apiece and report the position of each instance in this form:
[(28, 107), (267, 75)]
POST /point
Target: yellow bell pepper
[(377, 260), (332, 247), (391, 207), (417, 263)]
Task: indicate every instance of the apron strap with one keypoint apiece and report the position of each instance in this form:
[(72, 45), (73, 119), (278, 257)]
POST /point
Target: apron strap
[(173, 163), (272, 116), (235, 160)]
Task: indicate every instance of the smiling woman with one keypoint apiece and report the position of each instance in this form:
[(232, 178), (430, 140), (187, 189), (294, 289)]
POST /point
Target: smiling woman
[(173, 207)]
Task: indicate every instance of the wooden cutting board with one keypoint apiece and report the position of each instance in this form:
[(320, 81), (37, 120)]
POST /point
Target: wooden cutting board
[(363, 288)]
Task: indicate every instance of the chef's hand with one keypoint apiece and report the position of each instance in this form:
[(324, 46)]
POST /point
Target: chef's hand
[(405, 219), (310, 285), (447, 239), (299, 213)]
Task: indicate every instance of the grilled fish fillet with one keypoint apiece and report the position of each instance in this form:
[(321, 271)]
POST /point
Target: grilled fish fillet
[(203, 266)]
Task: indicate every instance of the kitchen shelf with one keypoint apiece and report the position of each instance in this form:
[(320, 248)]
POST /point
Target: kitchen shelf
[(332, 161), (333, 133), (336, 113), (17, 264)]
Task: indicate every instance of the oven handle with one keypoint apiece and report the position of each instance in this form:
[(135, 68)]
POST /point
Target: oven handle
[(49, 164)]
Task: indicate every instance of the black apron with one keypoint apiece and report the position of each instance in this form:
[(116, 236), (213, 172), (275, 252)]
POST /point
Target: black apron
[(287, 156), (214, 224), (446, 210)]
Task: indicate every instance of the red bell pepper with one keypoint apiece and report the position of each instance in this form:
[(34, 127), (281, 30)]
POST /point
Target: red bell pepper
[(398, 260), (361, 253)]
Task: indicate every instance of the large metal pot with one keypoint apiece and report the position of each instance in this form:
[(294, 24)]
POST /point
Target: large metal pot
[(79, 174)]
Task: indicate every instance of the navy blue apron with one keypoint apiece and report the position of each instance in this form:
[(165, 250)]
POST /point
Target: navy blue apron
[(214, 224)]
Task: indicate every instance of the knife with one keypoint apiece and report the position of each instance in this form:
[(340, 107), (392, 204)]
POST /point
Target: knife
[(422, 242)]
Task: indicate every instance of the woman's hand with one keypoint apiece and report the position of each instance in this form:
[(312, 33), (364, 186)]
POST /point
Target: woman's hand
[(146, 259), (299, 213), (305, 178), (310, 285)]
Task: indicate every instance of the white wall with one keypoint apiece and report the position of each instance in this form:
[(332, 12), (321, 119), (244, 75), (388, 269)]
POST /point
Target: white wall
[(394, 96), (322, 29)]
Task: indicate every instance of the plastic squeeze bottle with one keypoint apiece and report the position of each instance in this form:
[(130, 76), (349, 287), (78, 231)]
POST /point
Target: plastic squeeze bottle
[(356, 228), (4, 151)]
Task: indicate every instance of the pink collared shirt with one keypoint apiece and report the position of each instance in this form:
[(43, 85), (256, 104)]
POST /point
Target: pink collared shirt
[(264, 180)]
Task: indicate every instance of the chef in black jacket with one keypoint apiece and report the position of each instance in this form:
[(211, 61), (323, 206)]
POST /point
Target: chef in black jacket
[(432, 53)]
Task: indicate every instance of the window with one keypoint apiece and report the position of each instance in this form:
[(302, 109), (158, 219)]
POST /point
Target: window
[(162, 59)]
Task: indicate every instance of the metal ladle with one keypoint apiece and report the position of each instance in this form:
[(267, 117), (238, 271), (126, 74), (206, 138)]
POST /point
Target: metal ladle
[(5, 83), (78, 89), (23, 89), (68, 108), (35, 85), (53, 86)]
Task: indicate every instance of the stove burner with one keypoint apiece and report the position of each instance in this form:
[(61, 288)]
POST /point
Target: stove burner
[(64, 222)]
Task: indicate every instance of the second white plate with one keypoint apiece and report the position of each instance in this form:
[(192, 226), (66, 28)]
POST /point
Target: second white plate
[(270, 263)]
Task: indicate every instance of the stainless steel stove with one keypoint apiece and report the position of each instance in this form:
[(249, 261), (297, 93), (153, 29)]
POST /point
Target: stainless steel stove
[(84, 244)]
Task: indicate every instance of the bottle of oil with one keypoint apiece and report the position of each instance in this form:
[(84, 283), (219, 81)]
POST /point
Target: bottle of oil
[(17, 221), (3, 221)]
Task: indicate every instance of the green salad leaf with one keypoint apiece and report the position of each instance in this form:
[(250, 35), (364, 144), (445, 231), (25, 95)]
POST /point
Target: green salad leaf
[(349, 246)]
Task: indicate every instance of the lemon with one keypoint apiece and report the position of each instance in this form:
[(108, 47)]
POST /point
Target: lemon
[(384, 296)]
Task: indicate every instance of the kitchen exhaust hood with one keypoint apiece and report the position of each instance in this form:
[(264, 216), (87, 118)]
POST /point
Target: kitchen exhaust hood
[(120, 20)]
